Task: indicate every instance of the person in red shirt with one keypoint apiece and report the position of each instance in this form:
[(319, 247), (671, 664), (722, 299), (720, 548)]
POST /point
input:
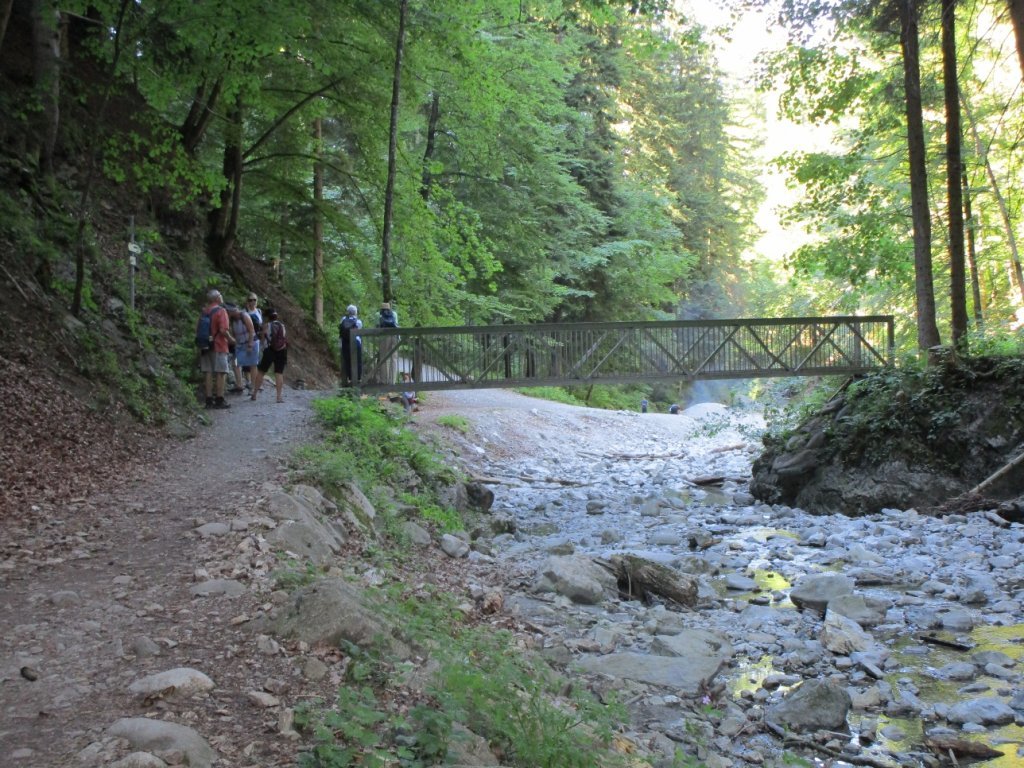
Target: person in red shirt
[(213, 362)]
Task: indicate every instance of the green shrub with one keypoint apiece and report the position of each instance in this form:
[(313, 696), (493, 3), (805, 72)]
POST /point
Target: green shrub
[(454, 421)]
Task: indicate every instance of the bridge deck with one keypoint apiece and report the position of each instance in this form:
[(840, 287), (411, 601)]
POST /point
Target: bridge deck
[(477, 357)]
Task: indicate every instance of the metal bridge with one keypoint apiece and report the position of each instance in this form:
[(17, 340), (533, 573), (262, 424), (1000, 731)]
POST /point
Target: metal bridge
[(571, 354)]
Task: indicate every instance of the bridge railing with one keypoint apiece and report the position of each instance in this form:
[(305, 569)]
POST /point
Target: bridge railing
[(477, 357)]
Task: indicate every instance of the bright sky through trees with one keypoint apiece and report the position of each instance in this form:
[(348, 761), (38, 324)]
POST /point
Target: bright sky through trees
[(738, 42)]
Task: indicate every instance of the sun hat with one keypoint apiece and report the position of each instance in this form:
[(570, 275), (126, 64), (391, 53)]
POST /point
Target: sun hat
[(385, 305), (351, 310)]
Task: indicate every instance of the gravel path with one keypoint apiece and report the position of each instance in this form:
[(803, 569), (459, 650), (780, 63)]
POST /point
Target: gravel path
[(97, 594)]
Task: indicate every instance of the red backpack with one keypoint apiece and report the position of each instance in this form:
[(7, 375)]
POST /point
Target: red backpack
[(278, 337)]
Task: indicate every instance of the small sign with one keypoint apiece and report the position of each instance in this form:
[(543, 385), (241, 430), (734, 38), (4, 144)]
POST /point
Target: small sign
[(134, 247), (131, 260)]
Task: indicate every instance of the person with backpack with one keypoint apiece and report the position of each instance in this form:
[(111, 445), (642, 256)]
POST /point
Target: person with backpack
[(213, 339), (246, 348), (275, 353), (387, 318), (350, 343)]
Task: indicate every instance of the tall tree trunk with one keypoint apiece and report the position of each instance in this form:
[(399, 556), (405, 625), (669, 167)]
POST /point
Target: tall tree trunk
[(389, 190), (927, 329), (1017, 19), (318, 224), (954, 174), (46, 76), (5, 17), (972, 253), (428, 153), (193, 129), (1016, 273), (222, 221), (90, 167)]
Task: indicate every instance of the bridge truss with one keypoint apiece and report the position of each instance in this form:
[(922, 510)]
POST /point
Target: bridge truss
[(570, 354)]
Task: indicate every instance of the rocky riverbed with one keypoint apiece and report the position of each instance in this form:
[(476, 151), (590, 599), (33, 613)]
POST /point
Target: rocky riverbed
[(890, 639)]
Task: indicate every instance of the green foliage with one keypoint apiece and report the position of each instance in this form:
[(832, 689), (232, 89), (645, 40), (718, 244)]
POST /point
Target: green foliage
[(367, 444), (454, 421), (294, 575), (445, 518), (558, 394), (485, 682), (923, 412), (513, 699)]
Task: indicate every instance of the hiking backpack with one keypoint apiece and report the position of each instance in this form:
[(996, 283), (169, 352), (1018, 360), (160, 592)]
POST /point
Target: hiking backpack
[(204, 331), (347, 323), (256, 324), (278, 339), (387, 319)]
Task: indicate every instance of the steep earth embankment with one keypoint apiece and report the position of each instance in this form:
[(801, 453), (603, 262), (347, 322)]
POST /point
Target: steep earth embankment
[(905, 439)]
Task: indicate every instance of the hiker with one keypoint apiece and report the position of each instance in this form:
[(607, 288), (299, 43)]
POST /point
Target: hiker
[(252, 307), (213, 339), (408, 396), (246, 347), (643, 405), (275, 353), (673, 409), (350, 343), (387, 318)]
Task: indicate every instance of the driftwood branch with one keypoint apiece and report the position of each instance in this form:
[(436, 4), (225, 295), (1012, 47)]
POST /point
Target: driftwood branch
[(998, 475), (790, 739)]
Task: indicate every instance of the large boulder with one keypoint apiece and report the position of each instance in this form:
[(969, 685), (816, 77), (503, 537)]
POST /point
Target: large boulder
[(151, 735), (815, 705), (578, 578), (329, 612)]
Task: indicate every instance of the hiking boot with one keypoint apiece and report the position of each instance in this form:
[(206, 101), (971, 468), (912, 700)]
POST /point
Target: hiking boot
[(209, 402), (221, 403)]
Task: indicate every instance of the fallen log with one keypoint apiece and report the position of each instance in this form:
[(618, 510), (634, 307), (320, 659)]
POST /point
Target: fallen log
[(640, 578), (974, 750), (933, 640), (1001, 474)]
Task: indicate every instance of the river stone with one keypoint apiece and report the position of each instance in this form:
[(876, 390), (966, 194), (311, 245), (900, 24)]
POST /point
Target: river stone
[(688, 675), (139, 760), (416, 533), (578, 578), (307, 539), (357, 510), (228, 587), (987, 711), (694, 644), (327, 611), (817, 590), (737, 582), (816, 704), (314, 497), (453, 546), (213, 529), (843, 636), (184, 680), (866, 611), (958, 670), (467, 748), (958, 620), (157, 735)]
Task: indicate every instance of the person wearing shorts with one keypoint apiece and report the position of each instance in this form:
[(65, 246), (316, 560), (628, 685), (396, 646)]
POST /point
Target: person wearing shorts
[(213, 362), (275, 354)]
